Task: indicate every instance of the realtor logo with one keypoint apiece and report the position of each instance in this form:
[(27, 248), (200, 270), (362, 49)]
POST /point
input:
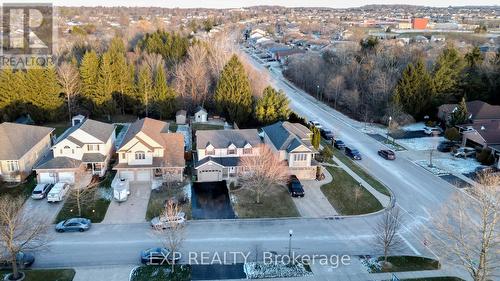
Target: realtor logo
[(27, 35)]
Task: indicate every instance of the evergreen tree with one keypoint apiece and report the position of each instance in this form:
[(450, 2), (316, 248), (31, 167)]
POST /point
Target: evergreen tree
[(145, 88), (272, 106), (233, 95), (460, 115), (106, 85), (42, 94), (316, 137), (9, 94), (164, 96), (446, 73), (89, 72), (474, 57), (122, 73)]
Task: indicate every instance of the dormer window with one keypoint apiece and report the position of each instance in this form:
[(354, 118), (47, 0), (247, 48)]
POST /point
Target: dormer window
[(210, 151), (140, 155), (231, 150), (247, 150)]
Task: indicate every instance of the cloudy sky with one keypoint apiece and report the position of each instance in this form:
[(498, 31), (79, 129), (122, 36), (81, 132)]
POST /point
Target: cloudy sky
[(246, 3)]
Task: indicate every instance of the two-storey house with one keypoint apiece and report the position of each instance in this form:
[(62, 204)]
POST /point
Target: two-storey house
[(151, 153), (292, 143), (21, 147), (85, 148), (218, 153)]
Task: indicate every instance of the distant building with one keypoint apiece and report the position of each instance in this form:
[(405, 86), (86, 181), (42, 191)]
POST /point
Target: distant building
[(419, 23), (404, 25), (200, 115)]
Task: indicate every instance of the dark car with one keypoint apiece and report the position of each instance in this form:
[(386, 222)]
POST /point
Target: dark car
[(326, 134), (339, 144), (158, 256), (74, 224), (387, 154), (23, 260), (446, 146), (295, 187), (352, 153)]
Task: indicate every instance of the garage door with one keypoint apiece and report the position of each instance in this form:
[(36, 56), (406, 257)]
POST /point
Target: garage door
[(47, 178), (67, 177), (144, 175), (209, 175), (128, 175)]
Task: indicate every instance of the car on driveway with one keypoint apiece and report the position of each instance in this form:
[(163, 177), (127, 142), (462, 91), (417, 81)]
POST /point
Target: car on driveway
[(74, 224), (163, 222), (433, 131), (326, 134), (158, 256), (41, 191), (23, 260), (464, 152), (446, 146), (387, 154), (338, 144), (352, 153), (295, 188)]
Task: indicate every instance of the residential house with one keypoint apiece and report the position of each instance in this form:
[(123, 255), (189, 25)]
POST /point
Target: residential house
[(219, 153), (484, 134), (292, 142), (200, 114), (21, 147), (82, 151), (151, 153), (479, 111)]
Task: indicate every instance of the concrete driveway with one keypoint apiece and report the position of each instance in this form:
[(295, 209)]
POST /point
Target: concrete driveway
[(42, 209), (314, 204), (134, 209)]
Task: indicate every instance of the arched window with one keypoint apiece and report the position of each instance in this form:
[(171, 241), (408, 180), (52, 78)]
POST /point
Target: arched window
[(140, 155)]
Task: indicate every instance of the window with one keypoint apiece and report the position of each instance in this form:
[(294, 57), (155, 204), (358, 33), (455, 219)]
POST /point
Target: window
[(300, 157), (140, 155), (12, 166), (92, 147), (123, 155), (231, 151), (247, 150), (210, 151)]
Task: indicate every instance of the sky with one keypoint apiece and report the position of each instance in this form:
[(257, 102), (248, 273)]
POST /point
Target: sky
[(246, 3)]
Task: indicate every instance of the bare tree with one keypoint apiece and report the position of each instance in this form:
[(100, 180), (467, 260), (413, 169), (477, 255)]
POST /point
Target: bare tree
[(469, 231), (173, 235), (387, 232), (262, 171), (69, 79), (153, 61), (337, 84), (259, 80), (82, 196), (19, 232)]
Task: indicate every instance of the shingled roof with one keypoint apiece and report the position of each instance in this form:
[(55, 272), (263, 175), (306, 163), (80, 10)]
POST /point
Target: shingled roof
[(224, 138), (288, 136), (17, 139)]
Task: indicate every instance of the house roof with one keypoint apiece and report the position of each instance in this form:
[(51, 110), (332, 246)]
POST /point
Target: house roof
[(151, 127), (93, 158), (199, 108), (17, 139), (181, 112), (100, 130), (224, 138), (49, 163), (478, 110), (489, 131), (288, 136), (223, 161)]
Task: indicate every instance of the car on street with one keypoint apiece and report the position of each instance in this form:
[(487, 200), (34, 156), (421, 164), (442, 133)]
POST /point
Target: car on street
[(74, 224), (295, 188), (326, 134), (446, 146), (352, 153), (338, 144), (23, 260), (41, 191), (464, 152), (387, 154), (158, 256), (163, 222), (316, 124), (433, 131)]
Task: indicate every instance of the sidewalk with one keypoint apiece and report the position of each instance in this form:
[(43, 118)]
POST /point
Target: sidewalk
[(108, 273)]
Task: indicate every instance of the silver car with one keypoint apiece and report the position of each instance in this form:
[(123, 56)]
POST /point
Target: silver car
[(74, 224), (163, 222), (41, 190)]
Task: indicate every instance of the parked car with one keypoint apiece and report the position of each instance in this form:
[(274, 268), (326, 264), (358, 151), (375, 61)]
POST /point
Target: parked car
[(433, 131), (295, 188), (315, 124), (339, 144), (56, 194), (352, 153), (387, 154), (158, 256), (464, 152), (326, 134), (446, 146), (74, 224), (41, 190), (23, 260), (163, 222)]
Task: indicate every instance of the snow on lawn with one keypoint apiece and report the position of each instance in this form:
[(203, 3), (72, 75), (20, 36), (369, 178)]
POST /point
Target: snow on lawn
[(414, 127), (426, 143), (187, 190), (256, 270), (450, 165)]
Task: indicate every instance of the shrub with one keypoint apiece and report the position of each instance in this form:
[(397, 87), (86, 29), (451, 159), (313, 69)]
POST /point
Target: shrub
[(326, 152), (485, 157), (295, 118), (452, 134)]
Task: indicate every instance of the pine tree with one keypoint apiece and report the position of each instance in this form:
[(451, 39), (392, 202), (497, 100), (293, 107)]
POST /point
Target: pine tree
[(460, 115), (145, 87), (9, 94), (42, 93), (106, 85), (233, 96), (121, 72), (89, 73), (446, 73), (272, 106), (164, 96)]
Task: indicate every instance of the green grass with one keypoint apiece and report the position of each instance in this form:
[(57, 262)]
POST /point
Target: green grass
[(60, 127), (19, 189), (410, 263), (172, 126), (46, 274), (159, 197), (95, 210), (275, 203), (161, 273), (203, 126), (342, 191)]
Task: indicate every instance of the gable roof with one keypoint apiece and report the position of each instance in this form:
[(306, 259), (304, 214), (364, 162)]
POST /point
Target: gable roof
[(17, 139), (479, 110), (100, 130), (199, 108), (151, 127), (288, 136), (489, 131), (223, 138)]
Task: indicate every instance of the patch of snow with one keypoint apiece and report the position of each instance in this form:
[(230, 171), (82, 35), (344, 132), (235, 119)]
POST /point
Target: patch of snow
[(187, 190), (434, 169), (256, 270), (374, 129), (371, 264), (414, 127), (426, 143), (106, 193), (458, 165), (186, 131)]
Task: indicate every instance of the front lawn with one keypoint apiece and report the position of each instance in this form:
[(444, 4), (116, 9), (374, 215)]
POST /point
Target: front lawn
[(95, 208), (159, 197), (275, 203), (18, 189), (410, 263), (161, 273), (347, 196), (46, 274)]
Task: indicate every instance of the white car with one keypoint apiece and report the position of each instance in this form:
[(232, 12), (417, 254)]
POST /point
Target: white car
[(433, 130), (165, 222), (464, 152), (56, 194), (315, 124)]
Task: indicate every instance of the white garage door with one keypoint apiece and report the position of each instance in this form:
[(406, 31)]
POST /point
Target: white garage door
[(144, 175), (67, 177), (209, 175), (47, 178), (128, 175)]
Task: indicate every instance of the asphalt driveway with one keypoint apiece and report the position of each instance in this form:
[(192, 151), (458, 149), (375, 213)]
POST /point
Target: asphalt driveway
[(210, 200), (134, 209)]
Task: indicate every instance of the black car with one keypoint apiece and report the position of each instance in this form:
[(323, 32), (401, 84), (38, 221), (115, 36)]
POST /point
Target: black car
[(158, 256), (339, 144), (295, 187), (387, 154), (326, 134), (23, 260), (352, 153), (446, 146)]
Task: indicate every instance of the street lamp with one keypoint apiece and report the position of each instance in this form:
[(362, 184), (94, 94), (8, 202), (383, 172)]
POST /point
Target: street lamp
[(388, 128), (290, 233), (317, 92)]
